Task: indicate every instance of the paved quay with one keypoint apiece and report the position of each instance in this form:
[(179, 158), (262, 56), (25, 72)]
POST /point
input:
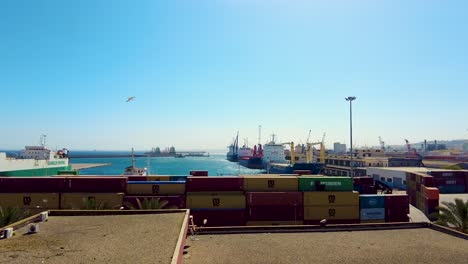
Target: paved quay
[(82, 166), (140, 238), (418, 245)]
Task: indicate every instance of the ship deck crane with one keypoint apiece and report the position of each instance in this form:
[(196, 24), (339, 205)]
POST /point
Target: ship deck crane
[(309, 149), (292, 154)]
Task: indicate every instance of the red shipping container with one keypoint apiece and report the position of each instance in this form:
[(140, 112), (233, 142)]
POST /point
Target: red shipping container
[(218, 217), (361, 181), (430, 192), (214, 184), (428, 181), (275, 213), (274, 198), (198, 173), (397, 219), (32, 184), (302, 172), (396, 200), (174, 202), (431, 203), (449, 181), (333, 222), (396, 213), (96, 184), (368, 190), (137, 178), (447, 174)]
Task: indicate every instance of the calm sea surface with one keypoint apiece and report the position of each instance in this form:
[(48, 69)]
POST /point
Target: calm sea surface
[(215, 165)]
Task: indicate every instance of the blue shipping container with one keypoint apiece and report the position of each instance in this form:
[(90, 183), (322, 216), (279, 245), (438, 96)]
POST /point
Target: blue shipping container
[(372, 214), (371, 201), (451, 188)]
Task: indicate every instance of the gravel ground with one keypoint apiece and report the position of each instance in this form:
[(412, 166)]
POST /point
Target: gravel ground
[(149, 238), (388, 246)]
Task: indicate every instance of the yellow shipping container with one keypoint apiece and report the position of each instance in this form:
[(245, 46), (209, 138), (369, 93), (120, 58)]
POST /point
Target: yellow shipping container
[(269, 223), (331, 212), (158, 178), (331, 198), (91, 200), (270, 184), (221, 200), (30, 200), (155, 189)]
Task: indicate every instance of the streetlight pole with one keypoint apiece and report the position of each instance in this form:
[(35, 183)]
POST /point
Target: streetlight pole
[(351, 99)]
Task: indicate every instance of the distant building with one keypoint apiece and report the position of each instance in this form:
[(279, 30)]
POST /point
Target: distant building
[(339, 148)]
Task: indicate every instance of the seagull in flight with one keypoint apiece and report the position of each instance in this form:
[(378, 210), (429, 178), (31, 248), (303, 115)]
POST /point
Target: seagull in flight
[(130, 98)]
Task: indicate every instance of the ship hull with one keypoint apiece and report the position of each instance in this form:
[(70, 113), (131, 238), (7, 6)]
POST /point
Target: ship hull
[(314, 168), (252, 163), (34, 172), (232, 158)]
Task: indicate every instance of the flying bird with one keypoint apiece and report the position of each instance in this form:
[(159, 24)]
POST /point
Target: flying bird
[(130, 98)]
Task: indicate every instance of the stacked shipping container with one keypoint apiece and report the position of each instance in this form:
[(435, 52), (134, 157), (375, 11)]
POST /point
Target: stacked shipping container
[(449, 181), (273, 200), (169, 194), (44, 193), (364, 185), (422, 193), (330, 198), (372, 208), (219, 200)]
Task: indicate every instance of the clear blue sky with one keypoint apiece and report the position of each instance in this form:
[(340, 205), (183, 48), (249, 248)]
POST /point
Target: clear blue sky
[(201, 70)]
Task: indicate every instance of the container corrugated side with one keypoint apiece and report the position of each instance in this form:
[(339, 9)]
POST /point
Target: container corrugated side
[(314, 183), (164, 202), (220, 200), (273, 223), (270, 184), (30, 200), (331, 212), (156, 188), (372, 214), (218, 217), (214, 184), (275, 213), (371, 201), (331, 198), (91, 200), (32, 184), (274, 198)]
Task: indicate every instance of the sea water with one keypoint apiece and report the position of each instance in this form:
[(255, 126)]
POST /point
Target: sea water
[(214, 164)]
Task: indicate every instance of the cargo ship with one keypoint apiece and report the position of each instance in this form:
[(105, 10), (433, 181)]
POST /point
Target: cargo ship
[(134, 171), (232, 154), (254, 161), (34, 161), (275, 162)]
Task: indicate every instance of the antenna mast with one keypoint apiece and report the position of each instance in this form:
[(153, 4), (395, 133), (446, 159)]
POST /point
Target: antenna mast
[(260, 134)]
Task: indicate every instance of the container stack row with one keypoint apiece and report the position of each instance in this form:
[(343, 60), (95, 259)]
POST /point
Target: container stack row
[(273, 201), (364, 185), (222, 201), (47, 193), (422, 193), (449, 181)]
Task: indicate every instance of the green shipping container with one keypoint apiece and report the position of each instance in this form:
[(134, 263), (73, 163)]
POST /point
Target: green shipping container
[(327, 184)]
